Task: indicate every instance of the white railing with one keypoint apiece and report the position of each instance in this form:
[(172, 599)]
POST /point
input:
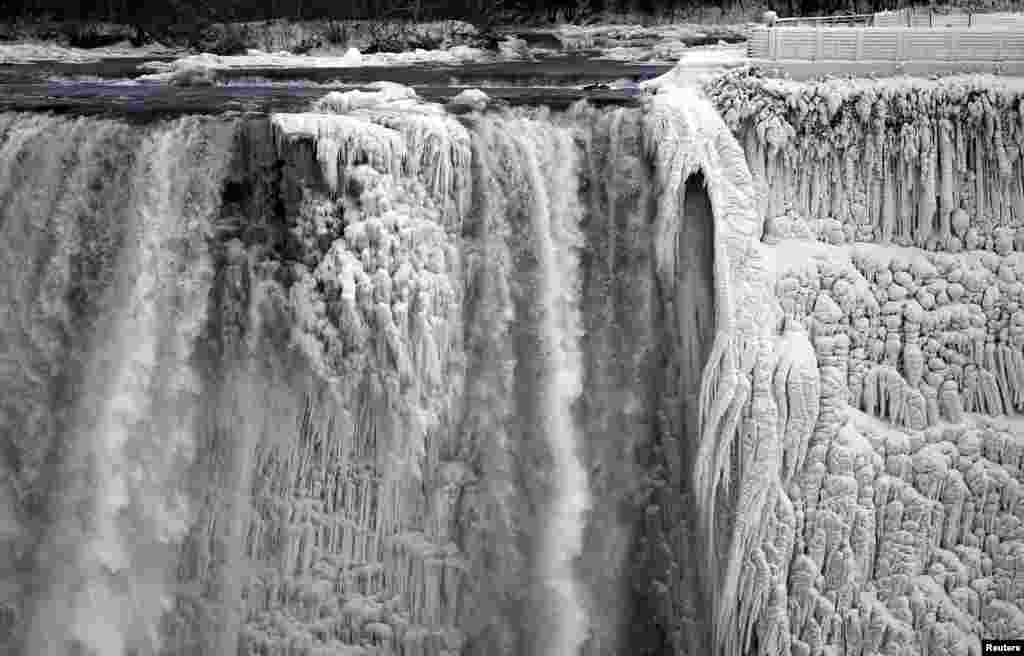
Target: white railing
[(880, 44), (908, 18)]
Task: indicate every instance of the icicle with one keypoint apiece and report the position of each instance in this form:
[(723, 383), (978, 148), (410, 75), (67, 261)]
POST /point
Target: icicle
[(756, 486), (946, 187), (926, 206), (886, 187), (797, 393)]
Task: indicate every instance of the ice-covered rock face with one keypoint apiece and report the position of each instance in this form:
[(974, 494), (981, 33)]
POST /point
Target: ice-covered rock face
[(899, 532), (934, 164), (448, 366)]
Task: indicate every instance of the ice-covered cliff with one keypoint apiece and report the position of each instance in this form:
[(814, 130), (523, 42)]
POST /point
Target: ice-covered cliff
[(892, 211), (380, 379)]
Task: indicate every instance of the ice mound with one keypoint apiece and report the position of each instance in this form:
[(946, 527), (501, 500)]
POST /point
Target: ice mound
[(391, 129), (338, 102), (473, 99)]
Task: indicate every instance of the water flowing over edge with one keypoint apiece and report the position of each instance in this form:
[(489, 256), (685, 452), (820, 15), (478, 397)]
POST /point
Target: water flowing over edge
[(555, 222)]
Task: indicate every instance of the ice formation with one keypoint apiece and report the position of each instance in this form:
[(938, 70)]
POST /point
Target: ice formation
[(881, 529), (681, 377)]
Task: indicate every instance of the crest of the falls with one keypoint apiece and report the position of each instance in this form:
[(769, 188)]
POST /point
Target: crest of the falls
[(370, 379)]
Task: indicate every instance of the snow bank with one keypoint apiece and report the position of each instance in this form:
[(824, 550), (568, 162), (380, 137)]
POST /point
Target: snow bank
[(666, 51), (351, 59), (699, 64), (28, 52), (590, 37)]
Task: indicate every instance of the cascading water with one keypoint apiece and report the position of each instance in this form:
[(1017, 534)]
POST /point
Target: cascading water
[(371, 380), (549, 165), (105, 240)]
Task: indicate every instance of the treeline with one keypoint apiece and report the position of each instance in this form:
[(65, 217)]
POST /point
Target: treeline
[(133, 11), (141, 11), (159, 17)]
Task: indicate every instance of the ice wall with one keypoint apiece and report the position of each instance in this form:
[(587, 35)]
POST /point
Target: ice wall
[(892, 209)]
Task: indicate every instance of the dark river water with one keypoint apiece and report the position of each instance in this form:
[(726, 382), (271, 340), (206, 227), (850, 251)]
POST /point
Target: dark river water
[(109, 86)]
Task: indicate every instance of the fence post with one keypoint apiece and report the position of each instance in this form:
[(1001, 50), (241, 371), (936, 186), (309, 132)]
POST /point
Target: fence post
[(860, 45), (820, 45)]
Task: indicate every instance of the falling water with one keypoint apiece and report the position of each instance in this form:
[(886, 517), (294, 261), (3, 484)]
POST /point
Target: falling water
[(555, 214), (116, 222)]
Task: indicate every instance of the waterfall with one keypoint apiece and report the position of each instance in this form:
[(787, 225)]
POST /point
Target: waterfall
[(375, 379), (105, 232), (551, 168)]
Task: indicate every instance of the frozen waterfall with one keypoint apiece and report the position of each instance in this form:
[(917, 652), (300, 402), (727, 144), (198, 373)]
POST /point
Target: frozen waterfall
[(373, 379)]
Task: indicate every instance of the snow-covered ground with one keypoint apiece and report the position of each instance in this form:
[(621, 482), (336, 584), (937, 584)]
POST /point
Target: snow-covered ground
[(698, 64), (591, 37), (30, 52)]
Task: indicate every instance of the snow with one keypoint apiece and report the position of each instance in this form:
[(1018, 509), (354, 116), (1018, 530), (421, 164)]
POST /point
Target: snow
[(350, 59), (597, 36), (698, 64), (29, 52)]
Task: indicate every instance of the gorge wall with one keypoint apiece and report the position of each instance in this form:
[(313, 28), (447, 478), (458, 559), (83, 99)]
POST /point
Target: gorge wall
[(384, 379), (892, 214)]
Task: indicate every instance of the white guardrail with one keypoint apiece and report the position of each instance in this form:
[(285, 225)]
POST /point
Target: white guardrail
[(879, 44), (910, 18)]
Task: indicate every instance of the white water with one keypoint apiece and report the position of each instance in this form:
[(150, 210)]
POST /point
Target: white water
[(555, 216), (122, 511), (153, 338)]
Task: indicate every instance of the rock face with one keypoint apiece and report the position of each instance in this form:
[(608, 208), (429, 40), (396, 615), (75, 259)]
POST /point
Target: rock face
[(378, 379), (891, 215)]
